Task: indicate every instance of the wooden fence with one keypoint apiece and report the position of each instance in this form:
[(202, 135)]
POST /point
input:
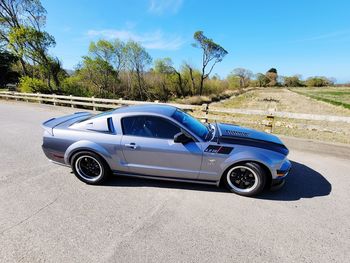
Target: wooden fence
[(204, 112), (73, 101)]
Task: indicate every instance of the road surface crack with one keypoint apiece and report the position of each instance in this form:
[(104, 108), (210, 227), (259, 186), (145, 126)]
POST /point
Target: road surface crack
[(30, 216)]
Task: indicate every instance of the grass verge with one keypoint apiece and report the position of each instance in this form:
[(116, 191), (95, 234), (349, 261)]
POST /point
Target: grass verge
[(334, 96)]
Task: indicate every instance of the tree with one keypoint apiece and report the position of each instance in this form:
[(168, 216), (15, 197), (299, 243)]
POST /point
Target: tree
[(272, 76), (161, 76), (111, 52), (107, 58), (212, 53), (165, 67), (191, 72), (32, 45), (137, 59), (233, 81), (261, 79), (332, 81), (56, 70), (244, 76), (7, 75), (318, 82), (293, 81), (21, 23), (97, 74)]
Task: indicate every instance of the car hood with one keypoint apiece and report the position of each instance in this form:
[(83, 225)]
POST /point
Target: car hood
[(234, 134)]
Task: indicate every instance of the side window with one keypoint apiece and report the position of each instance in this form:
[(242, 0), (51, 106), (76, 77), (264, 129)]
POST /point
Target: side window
[(149, 126)]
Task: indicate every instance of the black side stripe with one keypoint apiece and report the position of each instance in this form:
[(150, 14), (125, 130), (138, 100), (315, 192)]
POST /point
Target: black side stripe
[(272, 146)]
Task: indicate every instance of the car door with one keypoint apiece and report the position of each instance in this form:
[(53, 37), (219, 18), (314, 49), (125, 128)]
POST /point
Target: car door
[(149, 148)]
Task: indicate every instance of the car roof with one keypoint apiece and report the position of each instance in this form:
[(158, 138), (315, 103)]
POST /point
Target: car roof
[(161, 109)]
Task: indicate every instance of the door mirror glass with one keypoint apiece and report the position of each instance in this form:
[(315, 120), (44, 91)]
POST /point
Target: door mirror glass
[(182, 138)]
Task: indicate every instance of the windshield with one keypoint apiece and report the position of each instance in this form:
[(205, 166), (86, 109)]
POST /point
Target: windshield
[(191, 123)]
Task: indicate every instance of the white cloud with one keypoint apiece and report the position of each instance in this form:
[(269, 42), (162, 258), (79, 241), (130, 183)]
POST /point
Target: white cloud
[(160, 7), (336, 35), (151, 40)]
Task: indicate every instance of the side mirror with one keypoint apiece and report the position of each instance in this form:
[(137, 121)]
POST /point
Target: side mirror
[(181, 138)]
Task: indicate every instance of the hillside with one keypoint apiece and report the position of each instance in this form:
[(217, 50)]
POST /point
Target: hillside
[(282, 99)]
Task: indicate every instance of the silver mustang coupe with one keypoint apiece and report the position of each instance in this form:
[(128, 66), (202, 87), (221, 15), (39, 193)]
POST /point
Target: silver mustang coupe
[(162, 142)]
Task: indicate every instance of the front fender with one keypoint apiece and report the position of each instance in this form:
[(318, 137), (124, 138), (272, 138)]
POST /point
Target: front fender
[(88, 146), (270, 159)]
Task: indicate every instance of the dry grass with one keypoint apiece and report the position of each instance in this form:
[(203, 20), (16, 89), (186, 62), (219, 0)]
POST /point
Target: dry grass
[(199, 100), (282, 99), (193, 100)]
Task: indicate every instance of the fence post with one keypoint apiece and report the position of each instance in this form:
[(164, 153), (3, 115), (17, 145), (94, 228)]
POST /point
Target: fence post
[(205, 109), (71, 100), (270, 121), (54, 99), (39, 97), (13, 94), (93, 103), (120, 104)]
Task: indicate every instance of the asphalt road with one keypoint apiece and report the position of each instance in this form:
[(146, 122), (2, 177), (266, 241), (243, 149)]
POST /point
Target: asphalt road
[(47, 215)]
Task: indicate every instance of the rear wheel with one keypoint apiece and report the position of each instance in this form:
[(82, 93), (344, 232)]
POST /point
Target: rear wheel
[(247, 179), (89, 167)]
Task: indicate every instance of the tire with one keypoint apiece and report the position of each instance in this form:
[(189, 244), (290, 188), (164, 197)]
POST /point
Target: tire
[(89, 167), (247, 179)]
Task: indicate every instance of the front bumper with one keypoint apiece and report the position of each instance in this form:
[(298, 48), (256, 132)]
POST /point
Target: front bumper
[(281, 174), (277, 184), (284, 170)]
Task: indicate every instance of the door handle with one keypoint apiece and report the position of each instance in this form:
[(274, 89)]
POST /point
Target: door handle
[(131, 145)]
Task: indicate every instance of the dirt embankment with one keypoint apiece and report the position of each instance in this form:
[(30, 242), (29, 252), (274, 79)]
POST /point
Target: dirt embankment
[(282, 99)]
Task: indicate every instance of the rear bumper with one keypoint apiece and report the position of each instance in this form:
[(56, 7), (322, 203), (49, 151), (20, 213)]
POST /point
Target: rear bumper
[(54, 156)]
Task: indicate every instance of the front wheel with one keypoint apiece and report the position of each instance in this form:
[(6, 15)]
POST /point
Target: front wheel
[(247, 179), (89, 167)]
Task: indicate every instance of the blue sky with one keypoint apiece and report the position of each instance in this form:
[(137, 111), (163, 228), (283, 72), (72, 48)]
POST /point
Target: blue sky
[(306, 37)]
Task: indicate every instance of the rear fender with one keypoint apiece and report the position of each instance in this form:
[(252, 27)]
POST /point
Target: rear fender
[(86, 146), (50, 124)]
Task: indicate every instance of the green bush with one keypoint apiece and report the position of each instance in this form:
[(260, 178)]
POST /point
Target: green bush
[(73, 86), (33, 85), (215, 86), (318, 82), (293, 81)]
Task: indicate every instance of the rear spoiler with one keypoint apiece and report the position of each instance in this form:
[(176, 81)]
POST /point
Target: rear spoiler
[(50, 124)]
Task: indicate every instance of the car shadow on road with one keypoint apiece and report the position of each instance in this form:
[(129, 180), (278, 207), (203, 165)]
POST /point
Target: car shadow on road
[(125, 181), (302, 182)]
